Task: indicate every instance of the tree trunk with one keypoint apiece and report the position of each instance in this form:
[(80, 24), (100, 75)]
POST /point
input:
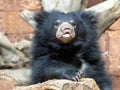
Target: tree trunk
[(64, 5)]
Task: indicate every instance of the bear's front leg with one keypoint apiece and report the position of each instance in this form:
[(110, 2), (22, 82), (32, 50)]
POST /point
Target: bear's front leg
[(44, 69)]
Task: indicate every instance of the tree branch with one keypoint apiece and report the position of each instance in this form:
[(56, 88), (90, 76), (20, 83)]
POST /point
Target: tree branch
[(108, 11), (28, 16)]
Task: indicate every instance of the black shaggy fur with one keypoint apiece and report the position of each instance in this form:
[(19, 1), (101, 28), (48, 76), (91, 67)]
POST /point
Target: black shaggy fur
[(55, 60)]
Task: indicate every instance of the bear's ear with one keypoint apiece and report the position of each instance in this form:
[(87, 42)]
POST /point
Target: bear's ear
[(90, 17), (40, 16)]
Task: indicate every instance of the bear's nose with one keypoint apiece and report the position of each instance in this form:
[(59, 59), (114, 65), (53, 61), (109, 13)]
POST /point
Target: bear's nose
[(66, 27)]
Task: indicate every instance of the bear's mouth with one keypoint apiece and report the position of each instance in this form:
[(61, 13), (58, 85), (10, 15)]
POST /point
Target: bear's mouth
[(66, 33)]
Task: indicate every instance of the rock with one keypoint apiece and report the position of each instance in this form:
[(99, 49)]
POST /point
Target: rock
[(84, 84), (110, 46), (30, 4), (7, 82), (116, 82), (21, 76), (24, 47), (115, 26), (91, 83), (10, 57)]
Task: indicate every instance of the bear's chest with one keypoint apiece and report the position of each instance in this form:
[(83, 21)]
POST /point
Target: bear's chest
[(68, 58)]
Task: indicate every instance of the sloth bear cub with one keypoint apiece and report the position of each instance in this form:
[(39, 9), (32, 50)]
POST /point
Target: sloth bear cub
[(65, 47)]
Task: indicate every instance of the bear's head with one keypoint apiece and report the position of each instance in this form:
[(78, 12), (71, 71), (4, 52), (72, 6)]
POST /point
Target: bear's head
[(66, 28)]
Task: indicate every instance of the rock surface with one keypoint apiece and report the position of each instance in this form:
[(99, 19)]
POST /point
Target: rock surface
[(15, 79), (84, 84), (110, 46), (20, 76), (7, 82), (11, 56)]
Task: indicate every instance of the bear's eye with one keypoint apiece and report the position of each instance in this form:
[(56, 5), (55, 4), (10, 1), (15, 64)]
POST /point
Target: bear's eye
[(73, 23), (57, 23)]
